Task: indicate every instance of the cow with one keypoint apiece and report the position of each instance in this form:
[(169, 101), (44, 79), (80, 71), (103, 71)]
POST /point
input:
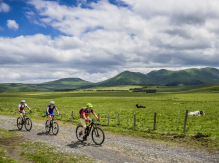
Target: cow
[(196, 113), (139, 106)]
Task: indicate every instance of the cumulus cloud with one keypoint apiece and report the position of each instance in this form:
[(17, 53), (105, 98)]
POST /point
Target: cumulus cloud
[(103, 39), (4, 7), (12, 24)]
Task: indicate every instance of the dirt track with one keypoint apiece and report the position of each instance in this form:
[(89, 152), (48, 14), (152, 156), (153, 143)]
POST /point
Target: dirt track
[(115, 148)]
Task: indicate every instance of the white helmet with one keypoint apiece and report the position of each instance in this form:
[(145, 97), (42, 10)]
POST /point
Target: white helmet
[(52, 102), (23, 101)]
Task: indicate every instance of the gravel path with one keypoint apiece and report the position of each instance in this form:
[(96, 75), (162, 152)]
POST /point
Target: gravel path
[(115, 148)]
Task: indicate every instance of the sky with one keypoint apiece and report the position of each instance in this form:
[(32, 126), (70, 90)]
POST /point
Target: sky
[(44, 40)]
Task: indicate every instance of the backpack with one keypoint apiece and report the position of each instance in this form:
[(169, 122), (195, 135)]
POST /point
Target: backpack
[(81, 110)]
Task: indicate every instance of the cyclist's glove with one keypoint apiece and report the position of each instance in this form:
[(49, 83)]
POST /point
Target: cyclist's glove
[(30, 111), (98, 119), (87, 120)]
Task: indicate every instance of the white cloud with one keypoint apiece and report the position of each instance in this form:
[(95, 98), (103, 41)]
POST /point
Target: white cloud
[(104, 39), (4, 7), (1, 28), (12, 24)]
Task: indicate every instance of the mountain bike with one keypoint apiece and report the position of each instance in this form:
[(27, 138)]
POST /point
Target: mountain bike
[(97, 133), (25, 121), (53, 124)]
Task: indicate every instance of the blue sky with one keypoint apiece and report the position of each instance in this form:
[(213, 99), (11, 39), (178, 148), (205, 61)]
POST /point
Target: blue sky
[(42, 40), (18, 9)]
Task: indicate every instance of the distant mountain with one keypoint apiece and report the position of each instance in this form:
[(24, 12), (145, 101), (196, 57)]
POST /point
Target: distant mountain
[(191, 76), (165, 77), (64, 83), (125, 78)]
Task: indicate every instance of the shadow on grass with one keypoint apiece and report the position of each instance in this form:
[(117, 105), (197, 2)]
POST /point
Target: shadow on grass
[(78, 144), (13, 130), (43, 133)]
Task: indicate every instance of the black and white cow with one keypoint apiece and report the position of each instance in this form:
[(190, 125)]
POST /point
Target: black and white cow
[(196, 113)]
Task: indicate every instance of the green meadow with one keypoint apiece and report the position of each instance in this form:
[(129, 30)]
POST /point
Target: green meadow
[(170, 107)]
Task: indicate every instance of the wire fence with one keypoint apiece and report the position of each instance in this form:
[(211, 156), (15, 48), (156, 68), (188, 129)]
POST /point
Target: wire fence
[(118, 119)]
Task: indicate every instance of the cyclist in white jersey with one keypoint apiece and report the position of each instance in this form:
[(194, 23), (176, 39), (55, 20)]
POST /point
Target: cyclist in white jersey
[(21, 107)]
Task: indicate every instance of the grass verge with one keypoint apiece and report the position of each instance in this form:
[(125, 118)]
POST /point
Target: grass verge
[(15, 149)]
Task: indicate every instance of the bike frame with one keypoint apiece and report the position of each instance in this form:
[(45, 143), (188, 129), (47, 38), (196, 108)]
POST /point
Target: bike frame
[(53, 120), (24, 117), (92, 124)]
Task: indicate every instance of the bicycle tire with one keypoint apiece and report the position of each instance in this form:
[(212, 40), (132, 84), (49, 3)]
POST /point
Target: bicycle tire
[(55, 126), (95, 134), (19, 126), (79, 133), (47, 128), (29, 123)]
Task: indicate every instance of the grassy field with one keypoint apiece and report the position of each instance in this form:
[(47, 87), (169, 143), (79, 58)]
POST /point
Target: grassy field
[(170, 108), (15, 149)]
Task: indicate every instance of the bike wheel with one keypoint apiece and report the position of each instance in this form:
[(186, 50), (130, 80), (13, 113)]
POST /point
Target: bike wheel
[(19, 126), (47, 128), (98, 136), (79, 133), (55, 128), (28, 124)]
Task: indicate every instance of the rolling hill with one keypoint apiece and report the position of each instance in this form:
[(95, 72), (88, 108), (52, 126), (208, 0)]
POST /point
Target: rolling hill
[(64, 83), (161, 77), (165, 77), (191, 76), (125, 78)]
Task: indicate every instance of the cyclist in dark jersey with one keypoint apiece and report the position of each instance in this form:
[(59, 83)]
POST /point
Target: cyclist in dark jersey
[(84, 116), (50, 111), (21, 107)]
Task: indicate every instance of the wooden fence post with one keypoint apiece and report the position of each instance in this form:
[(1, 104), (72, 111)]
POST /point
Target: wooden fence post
[(155, 118), (134, 120), (72, 115), (119, 119), (184, 129), (108, 119)]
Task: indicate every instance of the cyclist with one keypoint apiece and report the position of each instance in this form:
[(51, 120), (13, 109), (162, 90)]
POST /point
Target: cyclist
[(84, 116), (21, 107), (50, 111)]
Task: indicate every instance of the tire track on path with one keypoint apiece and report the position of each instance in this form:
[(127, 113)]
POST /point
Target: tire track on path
[(114, 149)]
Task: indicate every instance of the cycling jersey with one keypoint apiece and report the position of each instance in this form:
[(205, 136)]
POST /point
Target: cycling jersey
[(51, 111), (86, 112), (22, 106)]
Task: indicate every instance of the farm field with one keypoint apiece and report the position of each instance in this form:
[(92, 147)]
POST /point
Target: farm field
[(170, 110)]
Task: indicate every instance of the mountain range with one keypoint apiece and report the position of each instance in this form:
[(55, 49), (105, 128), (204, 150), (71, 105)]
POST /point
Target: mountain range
[(164, 77)]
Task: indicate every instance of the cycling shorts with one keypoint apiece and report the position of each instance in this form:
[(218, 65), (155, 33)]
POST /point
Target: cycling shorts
[(22, 112), (83, 122), (51, 113)]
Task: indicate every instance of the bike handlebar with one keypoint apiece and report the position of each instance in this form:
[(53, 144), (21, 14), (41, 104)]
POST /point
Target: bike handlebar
[(23, 113), (93, 120)]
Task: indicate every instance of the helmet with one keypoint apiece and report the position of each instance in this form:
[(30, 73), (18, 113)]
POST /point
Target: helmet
[(89, 105), (23, 101), (52, 102)]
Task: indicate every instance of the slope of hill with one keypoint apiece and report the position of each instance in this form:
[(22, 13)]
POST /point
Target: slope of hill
[(161, 77), (125, 78), (65, 83), (18, 87), (165, 77), (213, 88), (186, 77)]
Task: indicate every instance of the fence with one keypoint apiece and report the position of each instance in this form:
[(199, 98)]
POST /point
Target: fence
[(155, 120)]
